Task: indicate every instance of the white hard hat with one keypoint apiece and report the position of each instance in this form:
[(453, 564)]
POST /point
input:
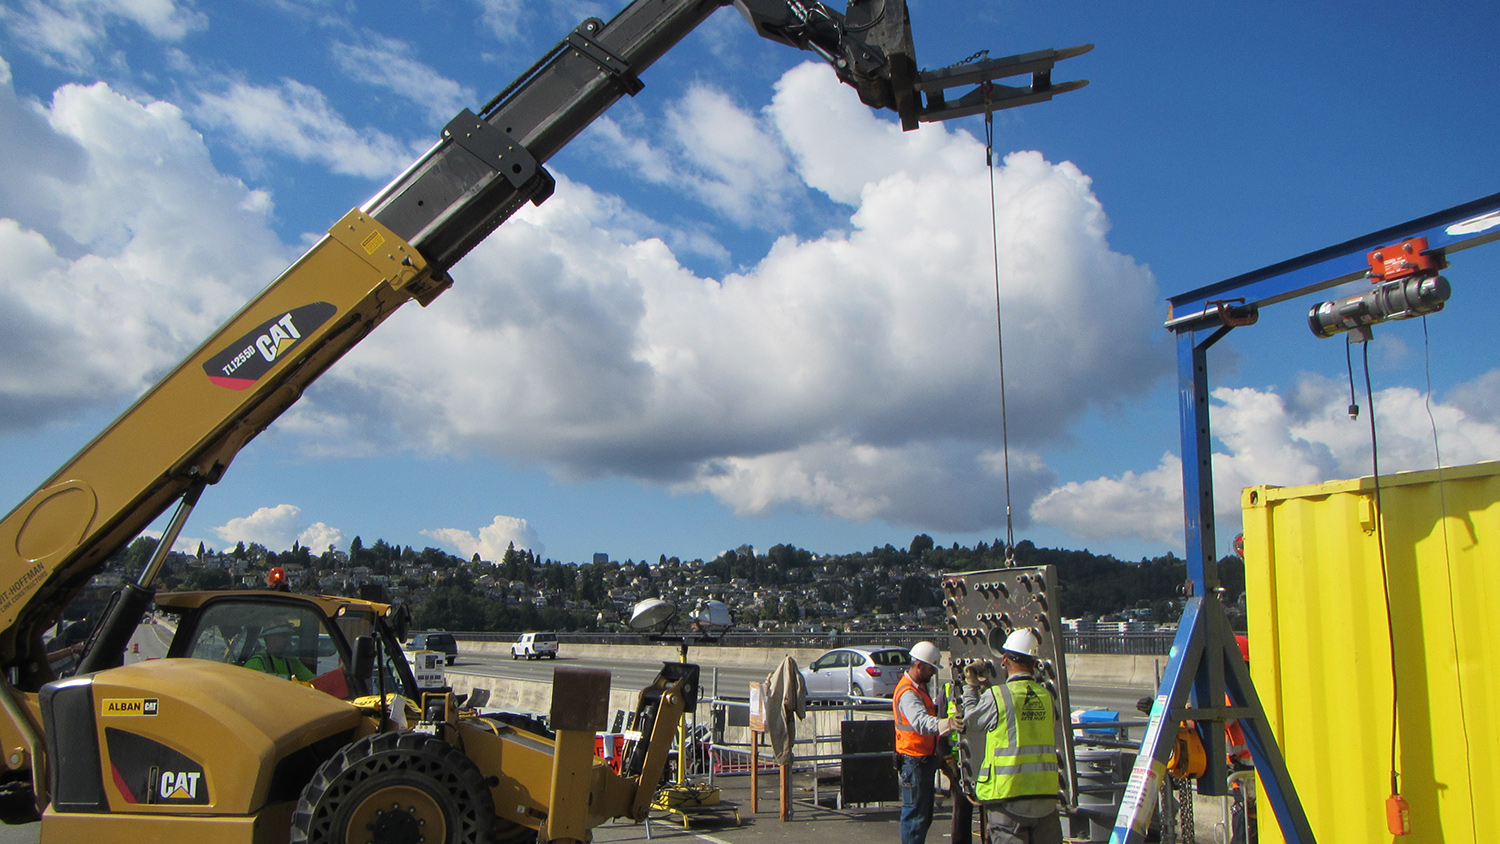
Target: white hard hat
[(927, 652), (1022, 642)]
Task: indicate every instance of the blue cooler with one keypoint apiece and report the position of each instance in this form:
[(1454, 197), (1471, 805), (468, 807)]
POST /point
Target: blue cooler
[(1107, 718)]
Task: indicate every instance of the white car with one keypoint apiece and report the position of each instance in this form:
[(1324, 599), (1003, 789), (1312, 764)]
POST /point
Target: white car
[(862, 672), (535, 646)]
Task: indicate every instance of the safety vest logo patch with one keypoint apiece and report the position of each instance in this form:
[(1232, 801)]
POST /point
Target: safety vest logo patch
[(1032, 708)]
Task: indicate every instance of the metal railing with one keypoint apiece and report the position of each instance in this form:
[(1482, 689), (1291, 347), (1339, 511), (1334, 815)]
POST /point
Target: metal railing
[(1145, 643)]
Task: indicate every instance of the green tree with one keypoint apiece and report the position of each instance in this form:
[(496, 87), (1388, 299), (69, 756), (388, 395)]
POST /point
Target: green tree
[(208, 578), (790, 612)]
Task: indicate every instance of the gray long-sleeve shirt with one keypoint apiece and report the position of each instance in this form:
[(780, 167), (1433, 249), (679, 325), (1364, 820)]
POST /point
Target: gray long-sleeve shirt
[(916, 714), (981, 711)]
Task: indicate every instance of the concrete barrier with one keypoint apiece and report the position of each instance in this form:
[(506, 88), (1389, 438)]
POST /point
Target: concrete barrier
[(1115, 670), (704, 655)]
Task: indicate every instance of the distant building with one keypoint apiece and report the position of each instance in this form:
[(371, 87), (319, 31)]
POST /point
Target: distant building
[(601, 559)]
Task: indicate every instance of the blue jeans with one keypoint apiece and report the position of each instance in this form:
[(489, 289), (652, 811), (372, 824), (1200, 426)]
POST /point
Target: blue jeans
[(916, 797)]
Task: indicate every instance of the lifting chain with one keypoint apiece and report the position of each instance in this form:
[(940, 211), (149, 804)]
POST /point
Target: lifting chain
[(1185, 810)]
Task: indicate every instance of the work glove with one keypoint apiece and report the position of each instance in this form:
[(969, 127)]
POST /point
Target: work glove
[(974, 674), (956, 723)]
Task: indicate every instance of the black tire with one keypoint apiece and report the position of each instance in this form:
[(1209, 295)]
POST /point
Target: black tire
[(859, 691), (392, 788), (512, 654)]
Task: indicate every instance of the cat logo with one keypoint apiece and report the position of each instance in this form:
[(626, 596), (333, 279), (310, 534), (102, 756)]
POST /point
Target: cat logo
[(244, 361), (130, 706), (179, 785)]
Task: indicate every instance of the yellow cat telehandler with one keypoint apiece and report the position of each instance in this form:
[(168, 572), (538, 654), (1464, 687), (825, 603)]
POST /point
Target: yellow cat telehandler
[(210, 744)]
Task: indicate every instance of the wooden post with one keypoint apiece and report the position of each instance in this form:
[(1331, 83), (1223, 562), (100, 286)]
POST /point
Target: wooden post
[(785, 793), (757, 726), (754, 770)]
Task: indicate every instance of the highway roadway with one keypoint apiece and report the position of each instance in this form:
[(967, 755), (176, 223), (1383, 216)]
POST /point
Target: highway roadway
[(151, 640), (730, 682)]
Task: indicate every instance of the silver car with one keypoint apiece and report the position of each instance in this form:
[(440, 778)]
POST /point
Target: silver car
[(862, 672)]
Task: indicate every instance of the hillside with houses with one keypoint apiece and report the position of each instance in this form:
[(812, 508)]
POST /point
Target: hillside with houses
[(783, 588)]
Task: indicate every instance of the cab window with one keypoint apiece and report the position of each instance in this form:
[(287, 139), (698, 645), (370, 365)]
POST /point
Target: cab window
[(288, 638)]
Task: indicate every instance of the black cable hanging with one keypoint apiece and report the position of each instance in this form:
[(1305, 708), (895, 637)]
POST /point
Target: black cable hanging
[(1385, 577), (989, 158), (1349, 365)]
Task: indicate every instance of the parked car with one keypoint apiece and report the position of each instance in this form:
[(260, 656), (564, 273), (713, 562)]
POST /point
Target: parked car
[(535, 646), (435, 640), (863, 672)]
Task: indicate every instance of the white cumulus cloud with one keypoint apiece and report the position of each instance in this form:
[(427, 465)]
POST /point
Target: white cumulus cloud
[(851, 373), (274, 527), (1145, 506), (388, 63), (297, 120), (319, 537), (1303, 438), (493, 539), (277, 528), (841, 374), (93, 233), (69, 33), (727, 158)]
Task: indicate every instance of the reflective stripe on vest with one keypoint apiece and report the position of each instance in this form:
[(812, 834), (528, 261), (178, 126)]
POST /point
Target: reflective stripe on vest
[(1020, 754), (909, 742)]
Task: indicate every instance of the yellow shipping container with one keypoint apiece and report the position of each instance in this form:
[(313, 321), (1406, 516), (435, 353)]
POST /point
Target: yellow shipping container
[(1322, 654)]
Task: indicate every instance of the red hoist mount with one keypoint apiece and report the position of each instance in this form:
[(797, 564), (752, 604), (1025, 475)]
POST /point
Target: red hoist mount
[(1404, 283), (1408, 257)]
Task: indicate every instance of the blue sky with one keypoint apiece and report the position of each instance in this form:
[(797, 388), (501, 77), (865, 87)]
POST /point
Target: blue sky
[(755, 312)]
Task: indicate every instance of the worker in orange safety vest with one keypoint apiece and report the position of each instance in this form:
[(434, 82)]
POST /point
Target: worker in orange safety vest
[(918, 729)]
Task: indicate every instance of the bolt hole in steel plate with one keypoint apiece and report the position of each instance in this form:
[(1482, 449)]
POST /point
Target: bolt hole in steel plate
[(398, 813), (997, 639)]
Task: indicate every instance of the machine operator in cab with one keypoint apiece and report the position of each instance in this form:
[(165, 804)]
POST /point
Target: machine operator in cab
[(276, 655)]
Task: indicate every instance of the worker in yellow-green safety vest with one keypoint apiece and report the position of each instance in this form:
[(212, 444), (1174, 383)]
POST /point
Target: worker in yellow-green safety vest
[(1017, 780), (276, 656)]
